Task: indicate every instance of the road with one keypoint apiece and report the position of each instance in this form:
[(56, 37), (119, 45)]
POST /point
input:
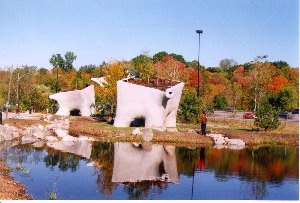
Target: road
[(239, 116)]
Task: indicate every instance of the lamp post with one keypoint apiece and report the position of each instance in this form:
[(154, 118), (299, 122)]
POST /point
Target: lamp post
[(18, 79), (198, 88)]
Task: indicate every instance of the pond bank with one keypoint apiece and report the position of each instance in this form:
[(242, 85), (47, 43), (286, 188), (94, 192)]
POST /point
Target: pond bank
[(9, 188), (186, 136)]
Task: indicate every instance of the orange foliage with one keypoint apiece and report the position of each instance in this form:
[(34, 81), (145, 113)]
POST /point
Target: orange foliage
[(277, 83)]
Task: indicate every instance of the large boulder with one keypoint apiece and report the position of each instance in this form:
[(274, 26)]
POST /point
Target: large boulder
[(8, 132), (237, 142), (29, 139)]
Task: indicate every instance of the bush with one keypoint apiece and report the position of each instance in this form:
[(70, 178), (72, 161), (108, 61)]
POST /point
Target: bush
[(267, 117), (220, 102), (189, 108)]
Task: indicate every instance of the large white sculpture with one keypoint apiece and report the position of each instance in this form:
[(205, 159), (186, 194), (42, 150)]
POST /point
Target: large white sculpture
[(157, 107), (83, 100), (135, 163)]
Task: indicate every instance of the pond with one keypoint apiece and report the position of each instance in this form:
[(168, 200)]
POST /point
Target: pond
[(150, 171)]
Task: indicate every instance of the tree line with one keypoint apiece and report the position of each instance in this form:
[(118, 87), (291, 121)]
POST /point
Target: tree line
[(245, 87)]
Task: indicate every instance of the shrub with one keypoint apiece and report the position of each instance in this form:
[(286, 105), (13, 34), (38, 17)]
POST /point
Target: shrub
[(220, 102), (267, 117), (189, 108)]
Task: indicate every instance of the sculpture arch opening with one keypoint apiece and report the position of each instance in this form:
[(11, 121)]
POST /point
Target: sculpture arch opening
[(75, 112), (138, 122)]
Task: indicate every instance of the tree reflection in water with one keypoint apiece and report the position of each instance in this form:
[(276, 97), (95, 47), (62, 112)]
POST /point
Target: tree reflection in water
[(63, 160), (255, 167), (103, 157)]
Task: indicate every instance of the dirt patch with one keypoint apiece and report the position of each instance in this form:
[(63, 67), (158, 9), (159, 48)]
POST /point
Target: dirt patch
[(10, 189), (159, 83), (23, 123)]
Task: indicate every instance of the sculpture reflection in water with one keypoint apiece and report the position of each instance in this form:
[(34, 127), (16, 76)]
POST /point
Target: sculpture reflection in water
[(137, 162), (143, 168)]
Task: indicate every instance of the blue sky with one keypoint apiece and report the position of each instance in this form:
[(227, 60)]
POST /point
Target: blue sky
[(31, 31)]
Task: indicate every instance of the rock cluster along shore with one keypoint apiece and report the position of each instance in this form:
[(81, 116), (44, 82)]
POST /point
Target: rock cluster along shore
[(220, 141), (55, 131)]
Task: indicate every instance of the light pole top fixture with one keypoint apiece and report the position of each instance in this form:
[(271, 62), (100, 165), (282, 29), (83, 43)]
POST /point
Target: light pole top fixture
[(199, 31)]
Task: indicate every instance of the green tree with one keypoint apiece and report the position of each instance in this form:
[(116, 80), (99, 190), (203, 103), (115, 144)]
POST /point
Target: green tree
[(280, 64), (178, 57), (57, 61), (220, 102), (267, 117), (144, 65), (65, 63), (189, 107), (285, 100), (193, 64), (159, 56), (70, 57)]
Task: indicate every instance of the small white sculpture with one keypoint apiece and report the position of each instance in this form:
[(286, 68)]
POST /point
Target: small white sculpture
[(100, 81), (82, 100), (157, 107)]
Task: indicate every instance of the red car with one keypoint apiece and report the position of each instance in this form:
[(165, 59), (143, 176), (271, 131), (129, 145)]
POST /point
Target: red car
[(249, 115)]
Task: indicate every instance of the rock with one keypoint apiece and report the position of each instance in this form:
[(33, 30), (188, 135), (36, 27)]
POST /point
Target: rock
[(40, 127), (219, 141), (51, 139), (136, 132), (192, 131), (236, 142), (37, 131), (68, 138), (62, 133), (237, 147), (29, 139), (8, 132), (147, 135), (38, 144)]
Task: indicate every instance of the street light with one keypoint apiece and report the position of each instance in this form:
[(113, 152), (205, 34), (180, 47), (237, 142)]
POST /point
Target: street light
[(18, 79), (198, 88)]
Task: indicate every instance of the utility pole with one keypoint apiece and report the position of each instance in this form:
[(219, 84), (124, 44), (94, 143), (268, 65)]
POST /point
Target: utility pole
[(9, 87)]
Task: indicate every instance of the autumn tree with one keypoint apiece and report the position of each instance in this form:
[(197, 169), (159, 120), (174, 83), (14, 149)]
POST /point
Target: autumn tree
[(107, 95)]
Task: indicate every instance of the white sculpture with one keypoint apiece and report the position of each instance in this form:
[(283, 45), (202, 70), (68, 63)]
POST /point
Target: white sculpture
[(83, 100), (134, 164), (157, 107)]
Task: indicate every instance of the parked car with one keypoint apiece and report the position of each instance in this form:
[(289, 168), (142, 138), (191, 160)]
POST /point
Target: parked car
[(249, 115), (295, 111), (230, 110), (285, 115)]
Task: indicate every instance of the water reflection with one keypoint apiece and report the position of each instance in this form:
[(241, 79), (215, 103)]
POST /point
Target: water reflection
[(148, 171), (137, 163)]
